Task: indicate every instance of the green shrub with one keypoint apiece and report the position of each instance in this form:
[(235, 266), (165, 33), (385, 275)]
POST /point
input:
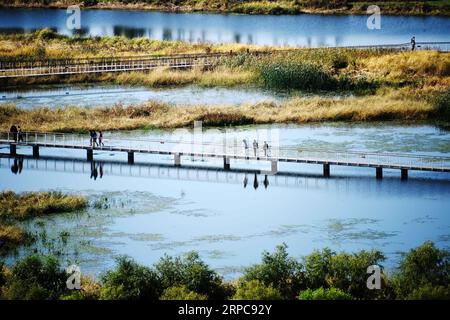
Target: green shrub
[(191, 272), (256, 290), (36, 278), (284, 74), (429, 292), (279, 271), (347, 272), (47, 34), (130, 281), (425, 266), (324, 294), (442, 106), (181, 293)]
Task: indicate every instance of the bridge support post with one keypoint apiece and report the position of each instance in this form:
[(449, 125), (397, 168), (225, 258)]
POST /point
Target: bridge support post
[(326, 170), (226, 164), (13, 149), (404, 174), (35, 151), (379, 173), (274, 166), (90, 154), (130, 157), (177, 159)]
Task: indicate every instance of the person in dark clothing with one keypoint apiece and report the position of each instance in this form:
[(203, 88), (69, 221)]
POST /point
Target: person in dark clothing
[(100, 139), (19, 134), (413, 43), (15, 167), (13, 131), (94, 139)]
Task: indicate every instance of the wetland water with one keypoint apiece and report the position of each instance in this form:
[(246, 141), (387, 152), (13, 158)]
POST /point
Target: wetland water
[(308, 30), (108, 95), (152, 210)]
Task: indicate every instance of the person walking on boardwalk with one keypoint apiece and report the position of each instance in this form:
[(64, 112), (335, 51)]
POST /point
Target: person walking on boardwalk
[(413, 43), (19, 134), (265, 148), (91, 137), (94, 138), (245, 146), (100, 139), (13, 131), (255, 147)]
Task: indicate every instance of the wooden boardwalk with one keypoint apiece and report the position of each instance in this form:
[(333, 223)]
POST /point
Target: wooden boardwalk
[(231, 151), (17, 68)]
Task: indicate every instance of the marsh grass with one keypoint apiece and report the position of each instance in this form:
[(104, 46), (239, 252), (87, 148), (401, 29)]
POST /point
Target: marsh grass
[(26, 205), (384, 105), (11, 237)]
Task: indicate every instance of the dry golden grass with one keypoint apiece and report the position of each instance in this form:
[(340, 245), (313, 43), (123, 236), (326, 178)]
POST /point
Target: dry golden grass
[(11, 236), (385, 105), (407, 65), (21, 206)]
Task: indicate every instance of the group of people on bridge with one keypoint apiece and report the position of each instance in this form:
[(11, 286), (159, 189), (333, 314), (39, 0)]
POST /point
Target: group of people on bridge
[(256, 147), (96, 140), (16, 133)]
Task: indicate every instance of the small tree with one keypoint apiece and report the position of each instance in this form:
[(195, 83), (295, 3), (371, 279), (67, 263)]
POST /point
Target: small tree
[(324, 294), (256, 290), (181, 293), (279, 271), (423, 266), (130, 281), (36, 278), (191, 272)]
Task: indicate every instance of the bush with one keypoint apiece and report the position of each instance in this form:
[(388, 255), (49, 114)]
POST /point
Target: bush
[(295, 75), (256, 290), (324, 294), (181, 293), (36, 278), (130, 281), (347, 272), (442, 106), (192, 273), (47, 34), (429, 292), (423, 267), (279, 271)]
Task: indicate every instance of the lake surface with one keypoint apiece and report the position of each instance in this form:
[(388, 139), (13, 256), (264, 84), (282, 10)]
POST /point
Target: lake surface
[(231, 217), (109, 95), (302, 30)]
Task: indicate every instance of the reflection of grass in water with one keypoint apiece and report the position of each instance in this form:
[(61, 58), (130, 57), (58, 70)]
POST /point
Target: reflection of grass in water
[(193, 212), (339, 225), (444, 238), (369, 235)]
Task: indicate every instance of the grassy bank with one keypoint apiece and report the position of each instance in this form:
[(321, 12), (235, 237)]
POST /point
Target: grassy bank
[(17, 207), (322, 275), (383, 106), (293, 7), (306, 69)]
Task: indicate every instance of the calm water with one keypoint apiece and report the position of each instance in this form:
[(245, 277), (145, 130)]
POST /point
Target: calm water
[(154, 210), (108, 95), (302, 30)]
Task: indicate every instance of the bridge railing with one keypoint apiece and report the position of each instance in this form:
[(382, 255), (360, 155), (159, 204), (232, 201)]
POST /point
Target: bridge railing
[(230, 149)]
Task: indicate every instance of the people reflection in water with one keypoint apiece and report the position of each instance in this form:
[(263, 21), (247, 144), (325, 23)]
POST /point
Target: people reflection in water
[(266, 181), (245, 181), (255, 182), (100, 169), (17, 165), (94, 171)]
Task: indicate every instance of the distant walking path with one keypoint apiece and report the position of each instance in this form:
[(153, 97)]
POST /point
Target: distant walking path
[(16, 68)]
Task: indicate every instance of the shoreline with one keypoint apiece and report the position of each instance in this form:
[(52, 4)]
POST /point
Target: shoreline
[(190, 9)]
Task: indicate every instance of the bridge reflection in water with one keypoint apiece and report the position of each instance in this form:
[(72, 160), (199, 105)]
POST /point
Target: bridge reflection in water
[(247, 178)]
